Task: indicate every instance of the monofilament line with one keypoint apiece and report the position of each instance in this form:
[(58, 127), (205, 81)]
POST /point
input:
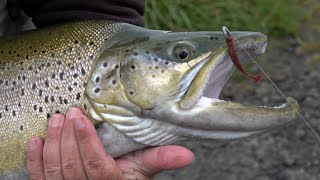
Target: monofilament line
[(316, 134)]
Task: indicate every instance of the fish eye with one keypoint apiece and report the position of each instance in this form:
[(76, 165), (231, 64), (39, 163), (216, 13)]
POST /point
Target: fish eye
[(183, 54)]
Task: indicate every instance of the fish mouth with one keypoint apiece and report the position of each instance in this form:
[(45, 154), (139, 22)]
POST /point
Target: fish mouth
[(218, 119), (212, 73)]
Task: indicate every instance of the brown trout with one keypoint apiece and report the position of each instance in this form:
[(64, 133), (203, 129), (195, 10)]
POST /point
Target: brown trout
[(140, 87)]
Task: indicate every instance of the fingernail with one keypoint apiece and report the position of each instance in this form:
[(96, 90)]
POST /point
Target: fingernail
[(33, 143), (79, 122), (73, 111), (55, 121)]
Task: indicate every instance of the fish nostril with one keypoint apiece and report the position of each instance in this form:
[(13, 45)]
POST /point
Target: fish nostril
[(131, 93), (133, 67)]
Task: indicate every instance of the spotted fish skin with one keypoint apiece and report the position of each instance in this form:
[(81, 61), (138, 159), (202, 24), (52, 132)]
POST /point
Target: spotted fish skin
[(43, 72)]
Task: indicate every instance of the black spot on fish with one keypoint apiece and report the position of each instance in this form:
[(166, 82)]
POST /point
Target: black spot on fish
[(61, 75), (75, 75), (75, 84), (83, 72), (13, 113), (76, 42), (19, 104), (59, 62), (6, 108), (33, 86), (116, 66), (61, 100), (46, 83), (105, 64), (127, 50), (40, 92), (43, 52), (78, 96), (7, 83), (21, 128), (30, 68), (166, 62), (0, 115), (157, 67), (27, 56), (53, 76), (91, 43), (48, 64), (98, 79), (14, 83), (147, 52), (48, 115), (156, 59), (70, 88), (91, 57), (35, 51), (97, 90), (35, 107), (24, 77), (22, 92), (52, 99), (40, 109), (135, 53), (65, 101), (46, 99)]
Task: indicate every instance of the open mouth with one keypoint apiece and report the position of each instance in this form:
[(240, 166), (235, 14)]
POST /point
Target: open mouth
[(213, 72), (201, 98)]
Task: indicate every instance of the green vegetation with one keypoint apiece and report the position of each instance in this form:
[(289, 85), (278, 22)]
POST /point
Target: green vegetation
[(275, 18)]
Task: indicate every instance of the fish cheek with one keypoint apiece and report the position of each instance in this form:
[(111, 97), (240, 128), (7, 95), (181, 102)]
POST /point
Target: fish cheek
[(146, 83), (104, 84)]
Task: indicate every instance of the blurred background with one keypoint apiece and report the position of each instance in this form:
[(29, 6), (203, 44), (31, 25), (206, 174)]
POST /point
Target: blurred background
[(292, 60)]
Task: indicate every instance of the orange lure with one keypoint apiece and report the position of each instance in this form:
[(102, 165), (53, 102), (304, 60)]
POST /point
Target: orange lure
[(234, 56)]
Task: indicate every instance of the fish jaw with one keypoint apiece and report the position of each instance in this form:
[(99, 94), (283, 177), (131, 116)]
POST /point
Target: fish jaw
[(199, 112)]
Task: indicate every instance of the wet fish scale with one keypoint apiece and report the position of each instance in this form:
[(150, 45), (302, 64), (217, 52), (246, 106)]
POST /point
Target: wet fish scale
[(42, 73)]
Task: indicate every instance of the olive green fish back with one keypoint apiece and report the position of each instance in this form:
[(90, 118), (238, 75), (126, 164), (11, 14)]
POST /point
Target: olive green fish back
[(42, 72)]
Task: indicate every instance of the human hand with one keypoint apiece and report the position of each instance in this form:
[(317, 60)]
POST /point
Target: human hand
[(73, 150)]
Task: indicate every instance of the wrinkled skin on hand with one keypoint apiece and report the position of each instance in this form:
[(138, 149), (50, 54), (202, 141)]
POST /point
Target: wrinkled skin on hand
[(72, 150)]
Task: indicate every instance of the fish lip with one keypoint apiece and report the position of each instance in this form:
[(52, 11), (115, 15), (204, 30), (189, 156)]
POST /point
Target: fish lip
[(221, 70)]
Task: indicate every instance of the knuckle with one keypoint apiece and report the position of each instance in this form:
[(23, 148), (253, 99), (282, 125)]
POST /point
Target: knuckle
[(52, 170), (94, 164), (71, 164), (85, 136), (36, 177)]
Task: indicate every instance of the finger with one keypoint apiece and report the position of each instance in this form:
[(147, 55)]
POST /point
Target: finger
[(34, 159), (97, 163), (151, 161), (51, 149), (72, 166)]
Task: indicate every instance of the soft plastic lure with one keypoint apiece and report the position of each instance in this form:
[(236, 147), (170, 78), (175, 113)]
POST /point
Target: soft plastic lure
[(234, 56)]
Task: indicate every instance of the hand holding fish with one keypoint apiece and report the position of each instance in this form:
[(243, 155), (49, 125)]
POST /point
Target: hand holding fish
[(72, 150)]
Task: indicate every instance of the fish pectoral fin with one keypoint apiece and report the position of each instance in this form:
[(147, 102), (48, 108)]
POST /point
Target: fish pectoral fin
[(146, 131)]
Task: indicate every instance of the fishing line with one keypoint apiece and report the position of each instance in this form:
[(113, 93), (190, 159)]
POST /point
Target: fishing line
[(226, 31)]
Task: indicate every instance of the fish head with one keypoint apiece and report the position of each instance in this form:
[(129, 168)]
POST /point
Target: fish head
[(166, 88)]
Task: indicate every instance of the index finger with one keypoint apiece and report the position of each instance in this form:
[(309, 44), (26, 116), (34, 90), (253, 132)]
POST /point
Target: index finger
[(98, 165)]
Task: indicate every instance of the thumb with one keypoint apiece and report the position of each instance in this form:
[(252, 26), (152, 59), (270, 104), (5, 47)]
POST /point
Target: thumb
[(151, 161)]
